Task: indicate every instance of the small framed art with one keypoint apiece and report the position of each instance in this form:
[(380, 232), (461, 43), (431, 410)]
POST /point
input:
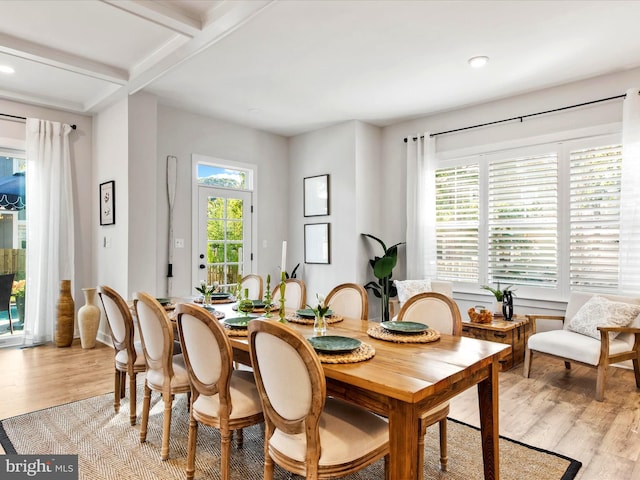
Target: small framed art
[(316, 195), (108, 203), (317, 243)]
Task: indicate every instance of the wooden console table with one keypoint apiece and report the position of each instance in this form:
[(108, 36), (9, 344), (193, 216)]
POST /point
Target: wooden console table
[(513, 333)]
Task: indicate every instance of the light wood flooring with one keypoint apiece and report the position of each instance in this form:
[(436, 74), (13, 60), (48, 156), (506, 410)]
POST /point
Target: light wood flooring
[(553, 410)]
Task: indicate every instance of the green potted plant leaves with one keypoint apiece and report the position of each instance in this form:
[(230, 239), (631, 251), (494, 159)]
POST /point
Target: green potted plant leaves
[(383, 267)]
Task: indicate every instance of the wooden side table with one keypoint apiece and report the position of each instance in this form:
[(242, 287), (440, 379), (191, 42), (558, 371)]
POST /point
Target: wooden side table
[(514, 332)]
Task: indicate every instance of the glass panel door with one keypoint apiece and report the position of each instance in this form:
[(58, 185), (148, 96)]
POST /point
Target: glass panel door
[(224, 233)]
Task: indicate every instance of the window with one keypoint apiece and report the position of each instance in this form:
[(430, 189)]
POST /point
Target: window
[(536, 217), (220, 176)]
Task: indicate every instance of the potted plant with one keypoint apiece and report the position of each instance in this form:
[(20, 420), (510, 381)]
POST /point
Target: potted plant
[(18, 292), (383, 267), (499, 293)]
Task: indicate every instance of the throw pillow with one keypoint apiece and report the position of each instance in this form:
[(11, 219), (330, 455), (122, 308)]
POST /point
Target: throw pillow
[(601, 312), (409, 288)]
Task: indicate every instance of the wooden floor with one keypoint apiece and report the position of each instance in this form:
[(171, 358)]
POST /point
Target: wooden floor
[(553, 410)]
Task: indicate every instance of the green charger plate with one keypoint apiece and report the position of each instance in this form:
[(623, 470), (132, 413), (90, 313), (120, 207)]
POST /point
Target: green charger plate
[(309, 313), (238, 322), (334, 344), (220, 295), (404, 327), (163, 301)]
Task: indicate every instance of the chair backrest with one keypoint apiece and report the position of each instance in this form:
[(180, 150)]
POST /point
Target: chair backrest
[(295, 295), (578, 299), (434, 309), (207, 354), (253, 283), (349, 300), (278, 355), (119, 319), (156, 334), (6, 285)]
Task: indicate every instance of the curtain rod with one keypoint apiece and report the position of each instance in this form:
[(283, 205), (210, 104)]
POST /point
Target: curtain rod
[(24, 118), (521, 117)]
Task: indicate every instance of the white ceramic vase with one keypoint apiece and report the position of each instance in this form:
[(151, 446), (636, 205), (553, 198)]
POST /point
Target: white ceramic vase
[(88, 319)]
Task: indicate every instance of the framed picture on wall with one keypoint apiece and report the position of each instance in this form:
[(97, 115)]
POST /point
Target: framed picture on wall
[(108, 203), (317, 243), (316, 195)]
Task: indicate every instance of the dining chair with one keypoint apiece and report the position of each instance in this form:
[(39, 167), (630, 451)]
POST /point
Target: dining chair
[(6, 286), (306, 432), (166, 372), (295, 294), (253, 283), (221, 397), (441, 313), (129, 357), (349, 300)]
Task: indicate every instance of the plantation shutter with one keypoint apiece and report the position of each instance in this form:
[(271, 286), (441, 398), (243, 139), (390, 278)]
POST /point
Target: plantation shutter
[(595, 217), (457, 221), (523, 221)]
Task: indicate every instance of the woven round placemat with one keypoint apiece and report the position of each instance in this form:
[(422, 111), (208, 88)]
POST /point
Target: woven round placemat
[(214, 300), (294, 318), (360, 354), (274, 309), (236, 332), (377, 331)]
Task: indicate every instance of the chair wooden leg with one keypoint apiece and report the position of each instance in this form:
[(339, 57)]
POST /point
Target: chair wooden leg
[(191, 448), (423, 432), (116, 390), (146, 404), (225, 443), (602, 373), (387, 472), (132, 398), (268, 464), (166, 424), (239, 438), (636, 371), (567, 365), (444, 459), (528, 356)]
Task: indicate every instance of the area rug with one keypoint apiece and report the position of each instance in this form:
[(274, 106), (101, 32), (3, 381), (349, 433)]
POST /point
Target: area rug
[(108, 447)]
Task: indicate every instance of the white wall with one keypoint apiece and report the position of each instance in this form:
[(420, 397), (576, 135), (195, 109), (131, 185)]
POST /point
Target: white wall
[(498, 136), (182, 134), (12, 134)]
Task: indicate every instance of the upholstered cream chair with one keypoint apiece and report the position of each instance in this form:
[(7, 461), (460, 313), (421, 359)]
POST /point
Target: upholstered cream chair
[(253, 283), (595, 347), (441, 313), (221, 397), (307, 433), (166, 373), (295, 295), (408, 288), (129, 357), (349, 300)]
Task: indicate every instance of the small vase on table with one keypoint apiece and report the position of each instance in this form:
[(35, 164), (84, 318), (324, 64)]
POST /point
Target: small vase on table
[(320, 326)]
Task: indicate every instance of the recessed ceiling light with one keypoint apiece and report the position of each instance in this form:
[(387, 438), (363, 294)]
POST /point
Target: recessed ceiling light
[(7, 69), (477, 62)]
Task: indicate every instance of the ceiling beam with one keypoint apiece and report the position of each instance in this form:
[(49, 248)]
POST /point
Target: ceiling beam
[(36, 52), (160, 14)]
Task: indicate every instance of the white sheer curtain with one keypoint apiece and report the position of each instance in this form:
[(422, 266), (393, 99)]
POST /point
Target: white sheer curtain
[(421, 207), (629, 195), (50, 238)]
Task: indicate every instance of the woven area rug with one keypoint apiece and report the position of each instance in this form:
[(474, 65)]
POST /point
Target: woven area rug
[(109, 448)]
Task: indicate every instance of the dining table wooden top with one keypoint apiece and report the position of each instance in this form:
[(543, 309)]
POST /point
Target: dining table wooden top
[(404, 380)]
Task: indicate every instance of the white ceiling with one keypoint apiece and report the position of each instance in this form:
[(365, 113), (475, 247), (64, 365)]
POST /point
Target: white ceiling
[(290, 66)]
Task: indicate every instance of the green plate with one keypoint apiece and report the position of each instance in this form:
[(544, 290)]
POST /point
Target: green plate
[(334, 344), (404, 327), (238, 322), (163, 301), (220, 295), (308, 313)]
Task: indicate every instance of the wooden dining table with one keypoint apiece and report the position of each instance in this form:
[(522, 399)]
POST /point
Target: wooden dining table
[(402, 381)]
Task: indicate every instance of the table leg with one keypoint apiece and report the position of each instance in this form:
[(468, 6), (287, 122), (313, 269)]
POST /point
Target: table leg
[(403, 441), (488, 405)]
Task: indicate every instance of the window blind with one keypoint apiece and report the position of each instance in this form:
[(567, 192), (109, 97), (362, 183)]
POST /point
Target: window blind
[(595, 176), (523, 221), (457, 222)]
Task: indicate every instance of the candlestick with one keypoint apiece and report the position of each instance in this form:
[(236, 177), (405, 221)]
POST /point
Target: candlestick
[(283, 267)]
